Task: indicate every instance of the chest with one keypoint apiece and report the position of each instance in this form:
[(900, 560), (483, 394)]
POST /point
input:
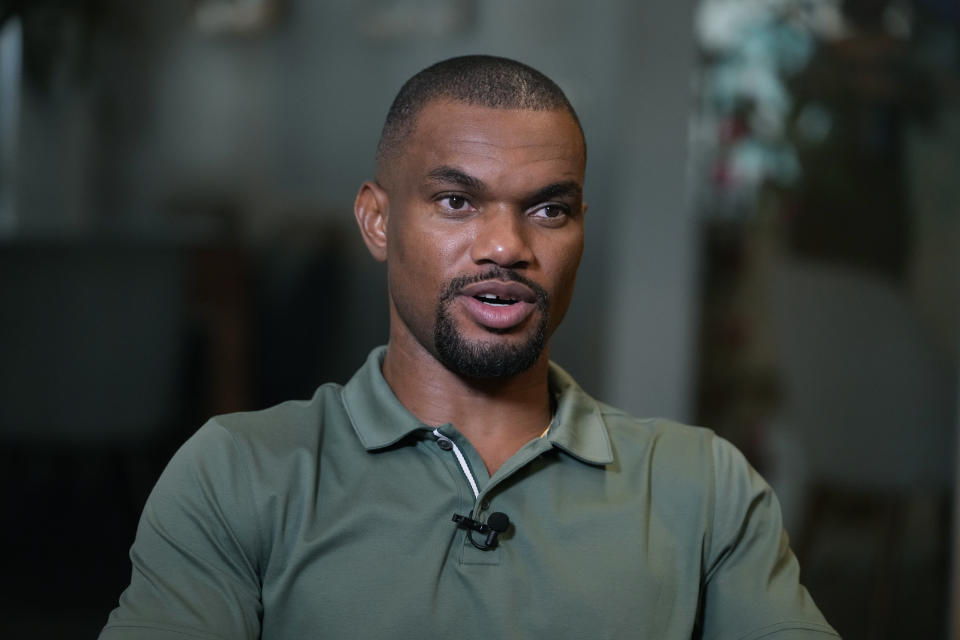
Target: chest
[(373, 553)]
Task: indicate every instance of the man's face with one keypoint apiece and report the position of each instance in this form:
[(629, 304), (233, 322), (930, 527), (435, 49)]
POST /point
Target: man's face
[(484, 234)]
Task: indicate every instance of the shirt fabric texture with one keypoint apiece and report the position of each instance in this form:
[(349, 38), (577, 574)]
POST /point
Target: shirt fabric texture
[(332, 518)]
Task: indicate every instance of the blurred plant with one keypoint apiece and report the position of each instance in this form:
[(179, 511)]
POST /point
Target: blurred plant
[(750, 48)]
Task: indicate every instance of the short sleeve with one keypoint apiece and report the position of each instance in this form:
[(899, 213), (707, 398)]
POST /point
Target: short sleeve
[(752, 584), (195, 566)]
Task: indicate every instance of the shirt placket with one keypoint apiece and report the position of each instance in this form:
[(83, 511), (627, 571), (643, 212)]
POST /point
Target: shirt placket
[(484, 491)]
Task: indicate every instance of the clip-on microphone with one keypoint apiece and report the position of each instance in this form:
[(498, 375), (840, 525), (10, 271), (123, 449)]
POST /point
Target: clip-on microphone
[(496, 524)]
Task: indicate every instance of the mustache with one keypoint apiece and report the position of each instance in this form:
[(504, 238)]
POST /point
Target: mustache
[(455, 285)]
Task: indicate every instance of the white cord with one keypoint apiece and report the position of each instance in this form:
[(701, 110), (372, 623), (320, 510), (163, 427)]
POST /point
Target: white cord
[(461, 460)]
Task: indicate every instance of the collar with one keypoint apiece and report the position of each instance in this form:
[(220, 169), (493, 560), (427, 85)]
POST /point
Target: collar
[(380, 420)]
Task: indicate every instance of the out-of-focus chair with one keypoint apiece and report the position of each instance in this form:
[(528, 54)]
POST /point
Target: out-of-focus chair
[(870, 404)]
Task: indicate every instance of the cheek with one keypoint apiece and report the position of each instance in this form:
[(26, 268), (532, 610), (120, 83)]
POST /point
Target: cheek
[(425, 249), (566, 265), (566, 261), (420, 260), (564, 290)]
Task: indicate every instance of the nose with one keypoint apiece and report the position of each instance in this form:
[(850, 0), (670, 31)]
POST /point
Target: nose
[(501, 239)]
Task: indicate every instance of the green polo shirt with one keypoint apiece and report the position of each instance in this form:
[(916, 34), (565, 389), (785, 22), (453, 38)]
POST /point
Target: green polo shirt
[(331, 518)]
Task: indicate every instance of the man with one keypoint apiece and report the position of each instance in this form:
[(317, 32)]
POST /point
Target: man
[(461, 485)]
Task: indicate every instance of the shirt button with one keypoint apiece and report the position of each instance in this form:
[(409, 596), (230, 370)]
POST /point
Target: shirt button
[(445, 444)]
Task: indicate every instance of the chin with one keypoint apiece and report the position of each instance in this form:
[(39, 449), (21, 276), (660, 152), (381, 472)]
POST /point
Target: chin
[(487, 359)]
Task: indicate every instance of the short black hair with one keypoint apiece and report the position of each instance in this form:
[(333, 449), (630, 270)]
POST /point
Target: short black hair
[(480, 80)]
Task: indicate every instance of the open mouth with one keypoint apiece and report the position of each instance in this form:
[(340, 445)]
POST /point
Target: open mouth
[(495, 300), (499, 293), (498, 304)]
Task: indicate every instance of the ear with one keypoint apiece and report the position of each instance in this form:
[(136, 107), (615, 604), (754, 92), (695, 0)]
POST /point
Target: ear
[(371, 208)]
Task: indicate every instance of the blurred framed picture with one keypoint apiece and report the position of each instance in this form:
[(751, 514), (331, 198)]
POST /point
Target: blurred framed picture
[(235, 17), (398, 20)]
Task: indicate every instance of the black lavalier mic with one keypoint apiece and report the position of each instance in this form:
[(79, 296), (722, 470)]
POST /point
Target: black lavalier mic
[(496, 524)]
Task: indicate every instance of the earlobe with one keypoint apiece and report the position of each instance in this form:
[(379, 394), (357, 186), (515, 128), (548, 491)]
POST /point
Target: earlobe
[(371, 208)]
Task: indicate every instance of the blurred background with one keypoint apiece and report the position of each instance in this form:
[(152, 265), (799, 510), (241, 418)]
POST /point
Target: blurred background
[(774, 190)]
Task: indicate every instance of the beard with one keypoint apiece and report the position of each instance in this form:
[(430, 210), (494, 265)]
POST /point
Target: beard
[(482, 359)]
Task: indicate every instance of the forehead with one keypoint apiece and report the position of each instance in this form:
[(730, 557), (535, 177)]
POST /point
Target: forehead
[(512, 145)]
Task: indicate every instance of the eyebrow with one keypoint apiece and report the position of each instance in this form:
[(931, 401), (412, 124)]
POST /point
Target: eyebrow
[(566, 189), (452, 175)]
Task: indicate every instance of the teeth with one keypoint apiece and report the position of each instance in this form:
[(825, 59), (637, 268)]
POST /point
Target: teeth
[(489, 298)]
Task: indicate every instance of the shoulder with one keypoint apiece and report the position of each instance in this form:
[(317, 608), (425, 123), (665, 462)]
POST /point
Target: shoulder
[(688, 469), (676, 443), (685, 456), (254, 453), (286, 426), (662, 441), (621, 422), (622, 442), (239, 465)]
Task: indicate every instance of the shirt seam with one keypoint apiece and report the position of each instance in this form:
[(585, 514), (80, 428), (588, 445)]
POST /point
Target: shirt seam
[(711, 522), (189, 633), (260, 564), (788, 625)]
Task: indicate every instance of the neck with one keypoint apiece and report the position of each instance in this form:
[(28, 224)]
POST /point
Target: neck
[(497, 416)]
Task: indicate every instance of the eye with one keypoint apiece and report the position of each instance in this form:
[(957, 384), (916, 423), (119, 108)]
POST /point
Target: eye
[(551, 212), (454, 203)]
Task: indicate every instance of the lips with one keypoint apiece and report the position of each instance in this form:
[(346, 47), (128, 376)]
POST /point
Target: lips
[(498, 305), (497, 289)]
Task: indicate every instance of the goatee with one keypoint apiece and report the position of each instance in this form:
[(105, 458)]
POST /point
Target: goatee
[(482, 359)]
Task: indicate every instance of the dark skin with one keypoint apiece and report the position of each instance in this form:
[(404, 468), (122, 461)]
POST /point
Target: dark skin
[(475, 188)]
